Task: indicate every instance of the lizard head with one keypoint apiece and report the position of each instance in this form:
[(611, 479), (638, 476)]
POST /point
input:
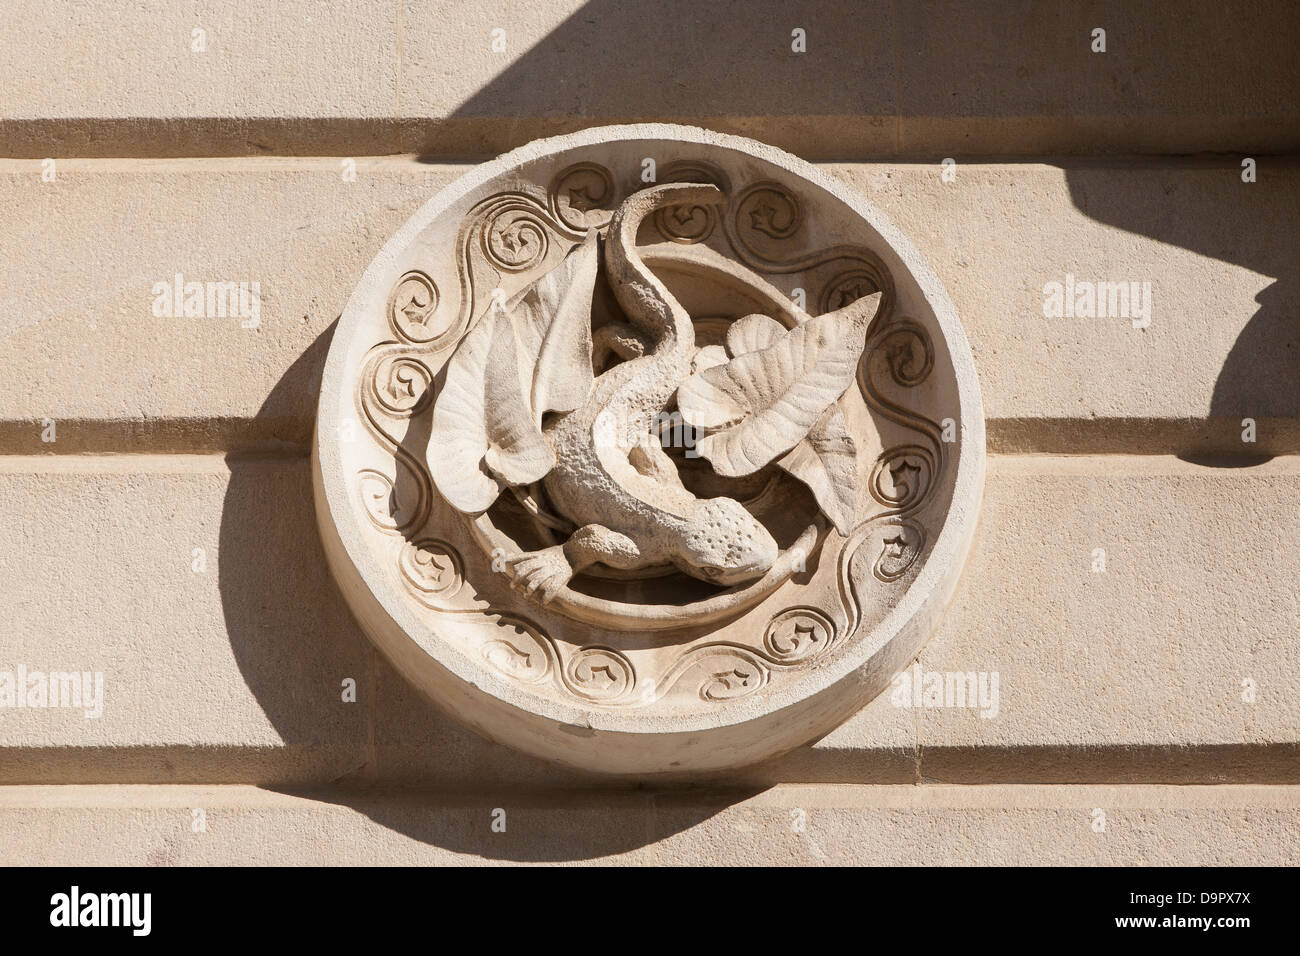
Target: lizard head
[(728, 545)]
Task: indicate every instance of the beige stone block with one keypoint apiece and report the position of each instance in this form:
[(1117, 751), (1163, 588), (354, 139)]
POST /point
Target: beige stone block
[(234, 674), (1219, 346), (244, 825), (915, 81), (416, 744), (105, 79), (221, 656), (862, 825), (1137, 671), (81, 256), (568, 65), (988, 825), (1012, 78), (103, 59), (80, 269)]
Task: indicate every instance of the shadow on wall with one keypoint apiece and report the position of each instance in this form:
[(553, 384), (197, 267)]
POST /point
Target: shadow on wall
[(927, 80), (279, 620), (573, 826), (292, 636), (875, 77), (1251, 225), (729, 66)]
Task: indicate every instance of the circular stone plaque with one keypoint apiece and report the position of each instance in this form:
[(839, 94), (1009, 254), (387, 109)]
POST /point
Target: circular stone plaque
[(649, 450)]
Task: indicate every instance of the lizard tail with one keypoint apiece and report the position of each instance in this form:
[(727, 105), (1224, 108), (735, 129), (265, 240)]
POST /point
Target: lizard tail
[(647, 301)]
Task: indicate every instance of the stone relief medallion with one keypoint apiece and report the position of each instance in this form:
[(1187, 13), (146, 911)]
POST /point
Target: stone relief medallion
[(649, 467)]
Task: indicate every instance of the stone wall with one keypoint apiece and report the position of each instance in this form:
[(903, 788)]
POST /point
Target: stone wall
[(1133, 579)]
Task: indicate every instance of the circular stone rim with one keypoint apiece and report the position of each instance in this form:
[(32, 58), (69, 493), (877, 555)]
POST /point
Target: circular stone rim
[(815, 701)]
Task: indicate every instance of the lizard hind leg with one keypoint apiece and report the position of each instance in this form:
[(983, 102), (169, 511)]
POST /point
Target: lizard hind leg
[(543, 574), (648, 457)]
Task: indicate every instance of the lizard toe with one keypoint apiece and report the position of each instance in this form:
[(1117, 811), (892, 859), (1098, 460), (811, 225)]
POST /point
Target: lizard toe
[(540, 574)]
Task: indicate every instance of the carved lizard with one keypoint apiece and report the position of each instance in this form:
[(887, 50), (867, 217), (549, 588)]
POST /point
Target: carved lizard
[(588, 438), (612, 477)]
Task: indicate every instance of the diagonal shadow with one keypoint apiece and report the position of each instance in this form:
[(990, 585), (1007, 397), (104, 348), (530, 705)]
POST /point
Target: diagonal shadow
[(282, 614), (1250, 225)]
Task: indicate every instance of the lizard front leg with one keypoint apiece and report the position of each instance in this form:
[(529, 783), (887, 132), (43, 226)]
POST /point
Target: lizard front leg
[(544, 573)]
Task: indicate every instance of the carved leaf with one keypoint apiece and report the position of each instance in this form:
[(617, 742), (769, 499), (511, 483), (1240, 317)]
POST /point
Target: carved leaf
[(510, 369), (553, 318), (763, 403), (827, 462), (482, 425), (710, 356), (827, 459), (517, 453), (752, 333)]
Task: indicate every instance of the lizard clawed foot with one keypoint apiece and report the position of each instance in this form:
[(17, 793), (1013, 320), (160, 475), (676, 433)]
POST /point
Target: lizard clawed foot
[(541, 574)]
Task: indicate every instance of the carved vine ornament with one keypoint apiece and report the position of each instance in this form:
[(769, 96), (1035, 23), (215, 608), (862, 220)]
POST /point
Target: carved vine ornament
[(655, 449)]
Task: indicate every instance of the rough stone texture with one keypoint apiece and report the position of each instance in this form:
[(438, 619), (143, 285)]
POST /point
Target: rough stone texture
[(232, 670), (111, 79), (83, 309), (1220, 289), (916, 80), (1221, 344), (1195, 597), (1132, 675), (881, 825)]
